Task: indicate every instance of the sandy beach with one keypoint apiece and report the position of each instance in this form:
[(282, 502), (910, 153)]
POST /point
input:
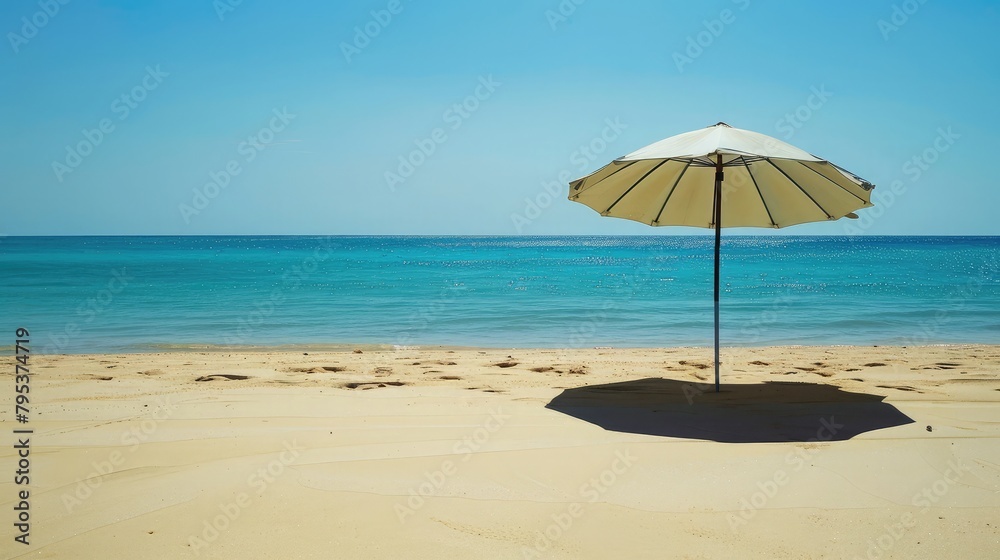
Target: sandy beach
[(809, 452)]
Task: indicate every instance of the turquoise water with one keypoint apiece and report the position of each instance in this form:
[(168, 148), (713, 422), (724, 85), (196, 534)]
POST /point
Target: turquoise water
[(102, 294)]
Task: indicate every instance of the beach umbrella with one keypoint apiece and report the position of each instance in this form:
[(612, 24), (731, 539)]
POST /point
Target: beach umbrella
[(719, 177)]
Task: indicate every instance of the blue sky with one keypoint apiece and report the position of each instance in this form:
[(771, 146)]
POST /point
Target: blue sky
[(260, 117)]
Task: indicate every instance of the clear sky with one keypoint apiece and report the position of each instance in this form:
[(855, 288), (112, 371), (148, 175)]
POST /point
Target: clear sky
[(268, 117)]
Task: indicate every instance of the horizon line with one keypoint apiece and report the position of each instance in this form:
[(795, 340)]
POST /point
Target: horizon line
[(707, 234)]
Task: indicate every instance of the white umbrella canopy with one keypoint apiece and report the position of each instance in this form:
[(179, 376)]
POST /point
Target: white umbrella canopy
[(747, 178), (768, 183)]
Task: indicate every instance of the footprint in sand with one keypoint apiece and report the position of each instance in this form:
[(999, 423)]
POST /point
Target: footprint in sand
[(874, 364), (227, 376), (759, 363), (450, 378), (542, 369), (899, 388), (505, 364), (693, 364), (942, 365), (316, 369), (371, 384)]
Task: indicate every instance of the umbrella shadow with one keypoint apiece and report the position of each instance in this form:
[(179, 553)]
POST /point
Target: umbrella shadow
[(774, 411)]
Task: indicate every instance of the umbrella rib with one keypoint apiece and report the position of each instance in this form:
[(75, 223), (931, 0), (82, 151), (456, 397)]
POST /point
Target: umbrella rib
[(634, 185), (672, 189), (622, 168), (846, 172), (761, 195), (780, 170), (834, 182)]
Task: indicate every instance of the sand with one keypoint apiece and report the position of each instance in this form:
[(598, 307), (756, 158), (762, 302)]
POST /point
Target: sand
[(809, 452)]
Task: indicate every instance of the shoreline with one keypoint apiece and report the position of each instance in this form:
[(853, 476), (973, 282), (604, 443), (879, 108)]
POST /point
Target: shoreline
[(166, 348)]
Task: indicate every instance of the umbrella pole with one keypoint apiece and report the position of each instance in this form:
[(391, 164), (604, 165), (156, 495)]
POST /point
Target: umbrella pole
[(718, 242)]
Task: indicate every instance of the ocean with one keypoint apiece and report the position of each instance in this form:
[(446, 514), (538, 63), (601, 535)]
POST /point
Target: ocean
[(133, 294)]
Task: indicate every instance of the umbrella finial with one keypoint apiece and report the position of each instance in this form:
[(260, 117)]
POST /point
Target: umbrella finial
[(720, 123)]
